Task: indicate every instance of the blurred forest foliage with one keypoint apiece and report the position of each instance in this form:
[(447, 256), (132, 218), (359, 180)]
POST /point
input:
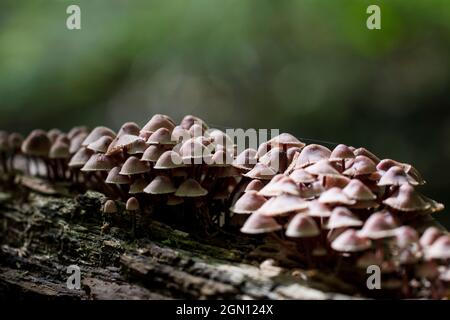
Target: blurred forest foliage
[(309, 67)]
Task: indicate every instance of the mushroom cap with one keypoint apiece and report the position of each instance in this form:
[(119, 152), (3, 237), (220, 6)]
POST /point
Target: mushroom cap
[(385, 164), (179, 134), (115, 177), (98, 162), (261, 171), (80, 158), (274, 158), (191, 188), (313, 190), (335, 195), (96, 134), (220, 138), (36, 144), (396, 176), (138, 186), (302, 226), (405, 236), (221, 158), (440, 249), (311, 154), (378, 226), (317, 209), (137, 147), (59, 150), (153, 153), (357, 190), (76, 131), (132, 204), (350, 241), (109, 207), (285, 185), (245, 160), (53, 134), (341, 217), (196, 130), (249, 202), (339, 181), (257, 224), (281, 205), (430, 235), (160, 185), (263, 148), (100, 145), (76, 141), (366, 153), (341, 152), (362, 165), (158, 121), (194, 152), (286, 139), (189, 120), (322, 168), (161, 136), (254, 185), (123, 142), (129, 128), (134, 165), (407, 199), (302, 176), (169, 160)]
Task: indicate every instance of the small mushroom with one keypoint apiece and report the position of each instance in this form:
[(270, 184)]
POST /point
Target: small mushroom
[(396, 176), (153, 153), (302, 176), (160, 185), (162, 136), (96, 134), (362, 165), (133, 166), (311, 154), (254, 185), (156, 122), (440, 249), (248, 203), (282, 205), (132, 207), (335, 196), (169, 160), (190, 188), (407, 199), (100, 145), (246, 160), (261, 172), (257, 224), (302, 226), (430, 235), (378, 226), (285, 185), (350, 241), (357, 190), (342, 217)]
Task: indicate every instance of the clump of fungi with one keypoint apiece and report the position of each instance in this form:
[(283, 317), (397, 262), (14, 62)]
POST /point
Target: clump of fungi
[(345, 209), (342, 209)]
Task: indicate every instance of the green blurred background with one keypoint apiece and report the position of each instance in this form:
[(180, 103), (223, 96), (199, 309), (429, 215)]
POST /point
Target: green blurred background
[(308, 67)]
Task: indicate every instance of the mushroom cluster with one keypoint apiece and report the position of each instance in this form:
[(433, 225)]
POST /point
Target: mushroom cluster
[(346, 204), (185, 166), (324, 206)]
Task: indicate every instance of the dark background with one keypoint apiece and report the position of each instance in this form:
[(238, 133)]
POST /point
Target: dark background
[(308, 67)]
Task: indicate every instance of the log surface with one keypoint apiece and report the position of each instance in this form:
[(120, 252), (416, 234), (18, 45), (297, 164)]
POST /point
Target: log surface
[(42, 234)]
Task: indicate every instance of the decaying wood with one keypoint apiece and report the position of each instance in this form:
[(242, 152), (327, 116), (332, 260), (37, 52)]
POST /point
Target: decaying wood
[(42, 234)]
